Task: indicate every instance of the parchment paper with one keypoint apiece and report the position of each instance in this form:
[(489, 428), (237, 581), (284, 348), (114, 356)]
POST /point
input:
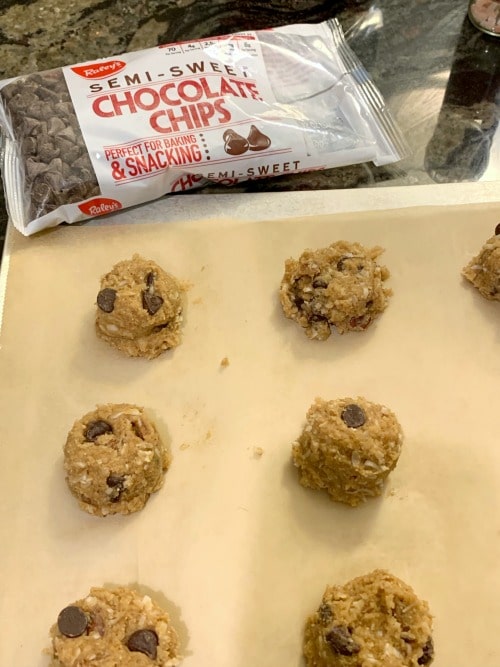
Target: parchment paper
[(234, 547)]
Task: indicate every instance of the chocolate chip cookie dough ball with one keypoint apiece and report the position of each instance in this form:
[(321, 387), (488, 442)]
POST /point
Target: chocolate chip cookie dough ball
[(374, 620), (483, 271), (111, 627), (340, 286), (114, 460), (139, 308), (348, 447)]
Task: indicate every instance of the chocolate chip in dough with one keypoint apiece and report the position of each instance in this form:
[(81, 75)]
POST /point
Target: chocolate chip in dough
[(150, 278), (497, 230), (353, 416), (340, 641), (341, 264), (97, 428), (427, 652), (151, 302), (72, 621), (144, 641), (257, 141), (136, 427), (325, 613), (234, 143), (360, 322), (106, 299), (117, 483)]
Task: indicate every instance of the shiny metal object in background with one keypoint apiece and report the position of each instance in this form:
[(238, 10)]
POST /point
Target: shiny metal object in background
[(485, 15)]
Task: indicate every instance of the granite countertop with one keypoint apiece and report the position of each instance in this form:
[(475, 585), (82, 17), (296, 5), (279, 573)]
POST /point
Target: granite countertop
[(438, 74)]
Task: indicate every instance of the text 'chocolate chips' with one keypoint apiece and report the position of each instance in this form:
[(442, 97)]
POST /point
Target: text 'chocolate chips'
[(97, 428), (151, 302), (72, 621), (106, 299), (353, 416), (340, 641), (144, 641)]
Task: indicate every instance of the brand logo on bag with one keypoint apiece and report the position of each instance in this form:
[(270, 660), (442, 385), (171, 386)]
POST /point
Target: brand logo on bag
[(99, 206), (99, 70)]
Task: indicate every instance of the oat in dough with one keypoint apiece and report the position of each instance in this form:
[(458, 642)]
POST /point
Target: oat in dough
[(139, 308), (114, 460), (375, 620), (114, 627), (340, 286), (348, 447), (483, 271)]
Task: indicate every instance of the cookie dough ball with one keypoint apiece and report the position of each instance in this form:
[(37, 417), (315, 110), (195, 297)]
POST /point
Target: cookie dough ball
[(483, 271), (341, 286), (114, 460), (111, 627), (374, 620), (348, 447), (139, 308)]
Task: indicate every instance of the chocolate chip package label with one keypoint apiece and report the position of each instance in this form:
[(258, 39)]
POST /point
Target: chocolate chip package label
[(93, 138)]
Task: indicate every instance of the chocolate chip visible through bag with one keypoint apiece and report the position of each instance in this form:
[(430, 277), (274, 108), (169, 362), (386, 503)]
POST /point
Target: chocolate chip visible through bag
[(72, 621), (353, 416), (53, 155), (340, 641), (144, 641)]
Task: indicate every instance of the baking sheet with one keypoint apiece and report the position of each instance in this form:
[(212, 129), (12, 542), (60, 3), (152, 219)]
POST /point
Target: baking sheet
[(237, 551)]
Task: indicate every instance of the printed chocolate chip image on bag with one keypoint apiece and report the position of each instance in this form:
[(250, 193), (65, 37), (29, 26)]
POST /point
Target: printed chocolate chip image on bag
[(93, 138)]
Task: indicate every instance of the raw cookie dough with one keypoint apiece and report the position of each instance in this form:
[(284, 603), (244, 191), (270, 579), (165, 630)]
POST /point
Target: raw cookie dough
[(114, 627), (114, 460), (375, 620), (139, 308), (483, 270), (340, 286), (348, 447)]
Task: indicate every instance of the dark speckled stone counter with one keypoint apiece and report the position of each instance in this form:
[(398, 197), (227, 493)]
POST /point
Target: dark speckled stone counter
[(439, 75)]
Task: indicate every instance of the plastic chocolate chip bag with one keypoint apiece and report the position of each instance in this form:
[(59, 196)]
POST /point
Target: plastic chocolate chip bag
[(92, 138)]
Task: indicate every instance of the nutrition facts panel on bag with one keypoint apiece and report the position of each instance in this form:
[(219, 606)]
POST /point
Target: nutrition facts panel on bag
[(246, 43)]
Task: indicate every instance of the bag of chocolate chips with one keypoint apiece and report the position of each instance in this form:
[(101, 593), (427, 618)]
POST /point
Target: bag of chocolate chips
[(89, 139)]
